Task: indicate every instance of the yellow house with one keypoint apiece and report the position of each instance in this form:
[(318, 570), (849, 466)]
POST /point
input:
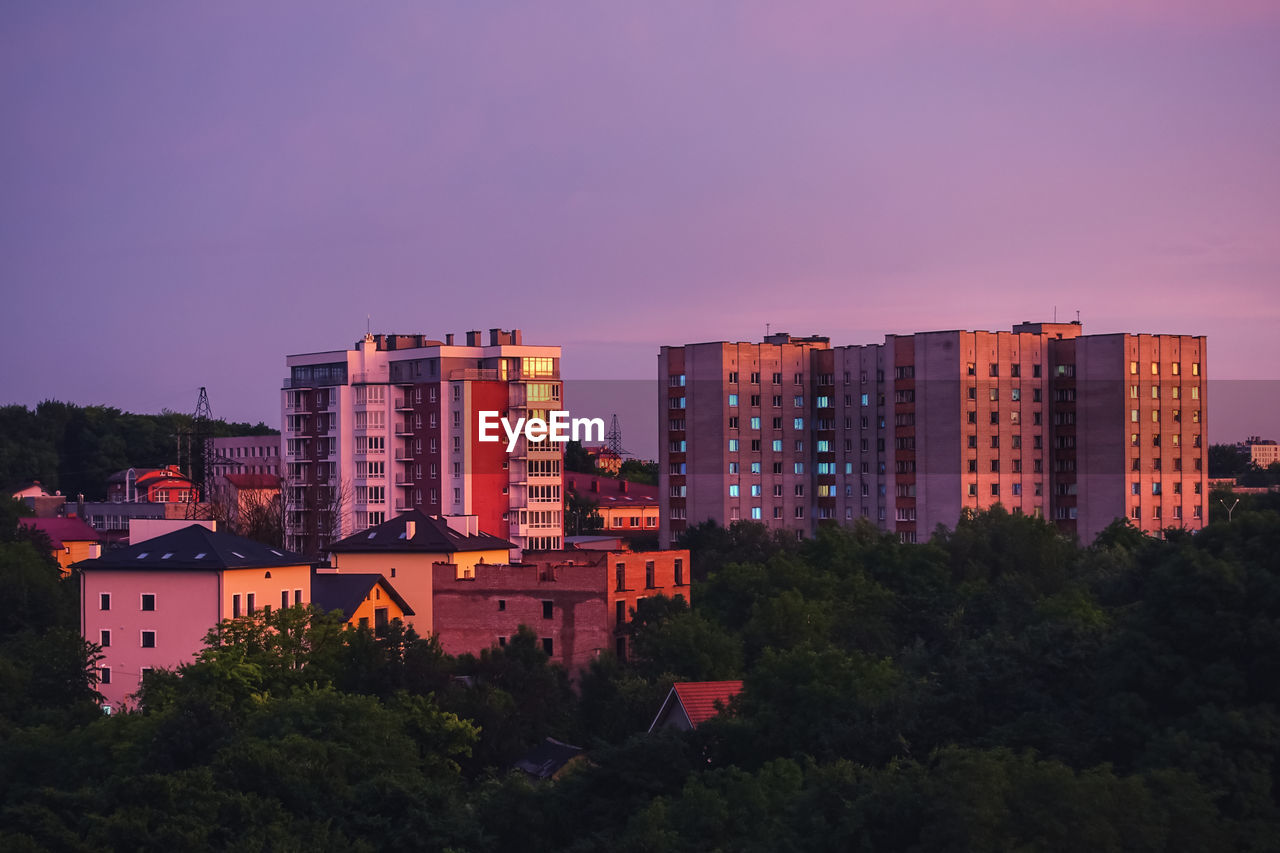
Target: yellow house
[(366, 600), (72, 540), (403, 550)]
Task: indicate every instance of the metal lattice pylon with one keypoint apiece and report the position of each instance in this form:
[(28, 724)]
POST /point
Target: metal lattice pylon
[(613, 439)]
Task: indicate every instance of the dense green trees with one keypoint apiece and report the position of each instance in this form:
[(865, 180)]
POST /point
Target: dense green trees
[(75, 448), (997, 688)]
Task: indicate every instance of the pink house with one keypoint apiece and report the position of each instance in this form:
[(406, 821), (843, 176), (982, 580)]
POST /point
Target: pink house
[(151, 604)]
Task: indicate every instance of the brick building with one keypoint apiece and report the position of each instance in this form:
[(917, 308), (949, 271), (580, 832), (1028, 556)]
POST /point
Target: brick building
[(577, 602)]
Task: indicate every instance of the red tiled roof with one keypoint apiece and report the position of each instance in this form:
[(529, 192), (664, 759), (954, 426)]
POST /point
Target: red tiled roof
[(699, 698), (62, 530), (168, 473)]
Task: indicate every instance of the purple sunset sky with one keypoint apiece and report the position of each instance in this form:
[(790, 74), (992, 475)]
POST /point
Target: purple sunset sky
[(193, 191)]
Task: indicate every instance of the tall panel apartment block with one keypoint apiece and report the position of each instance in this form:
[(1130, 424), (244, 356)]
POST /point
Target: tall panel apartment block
[(392, 425), (907, 434)]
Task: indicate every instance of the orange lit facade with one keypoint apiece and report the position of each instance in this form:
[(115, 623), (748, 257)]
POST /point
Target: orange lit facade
[(365, 600), (70, 538)]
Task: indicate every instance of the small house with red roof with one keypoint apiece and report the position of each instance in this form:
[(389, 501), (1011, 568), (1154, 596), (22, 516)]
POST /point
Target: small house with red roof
[(151, 485), (691, 703), (72, 540)]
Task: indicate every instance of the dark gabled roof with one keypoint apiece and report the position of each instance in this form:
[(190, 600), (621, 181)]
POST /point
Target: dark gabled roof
[(62, 530), (195, 547), (547, 758), (345, 592), (431, 534)]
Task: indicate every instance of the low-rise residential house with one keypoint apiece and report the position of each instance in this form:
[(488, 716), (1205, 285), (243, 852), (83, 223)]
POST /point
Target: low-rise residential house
[(604, 458), (462, 585), (691, 703), (40, 502), (366, 600), (31, 490), (405, 550), (549, 759), (151, 604), (625, 508), (72, 540), (151, 485)]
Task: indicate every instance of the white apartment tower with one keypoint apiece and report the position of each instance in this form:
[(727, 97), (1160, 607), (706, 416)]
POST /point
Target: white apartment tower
[(392, 425)]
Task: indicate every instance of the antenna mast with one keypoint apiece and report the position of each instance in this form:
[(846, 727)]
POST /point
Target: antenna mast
[(613, 439), (201, 450)]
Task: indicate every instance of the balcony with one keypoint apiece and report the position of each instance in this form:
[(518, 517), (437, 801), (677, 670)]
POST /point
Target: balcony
[(474, 374), (404, 479), (403, 454), (404, 428), (404, 404)]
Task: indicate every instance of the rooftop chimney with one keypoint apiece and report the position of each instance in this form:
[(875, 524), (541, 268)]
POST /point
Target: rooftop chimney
[(410, 529), (473, 338), (448, 339)]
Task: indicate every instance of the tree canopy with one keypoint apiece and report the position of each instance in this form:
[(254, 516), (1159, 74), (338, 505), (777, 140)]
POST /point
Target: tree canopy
[(1000, 687), (75, 449)]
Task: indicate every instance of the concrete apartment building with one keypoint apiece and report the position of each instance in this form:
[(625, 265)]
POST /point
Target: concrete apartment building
[(245, 454), (1262, 452), (1042, 419), (391, 425)]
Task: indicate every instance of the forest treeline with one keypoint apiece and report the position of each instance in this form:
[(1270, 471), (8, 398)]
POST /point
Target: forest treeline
[(75, 448), (998, 688)]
